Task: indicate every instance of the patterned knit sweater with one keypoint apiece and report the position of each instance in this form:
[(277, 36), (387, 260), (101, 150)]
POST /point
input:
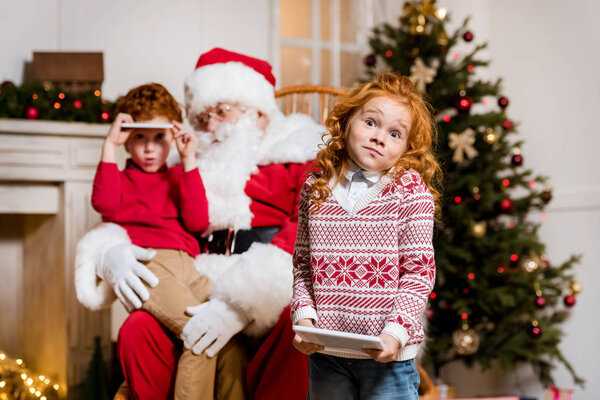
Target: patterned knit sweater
[(369, 269)]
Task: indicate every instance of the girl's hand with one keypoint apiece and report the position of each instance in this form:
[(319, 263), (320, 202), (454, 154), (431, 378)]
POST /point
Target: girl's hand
[(390, 348), (303, 346), (117, 136), (186, 143)]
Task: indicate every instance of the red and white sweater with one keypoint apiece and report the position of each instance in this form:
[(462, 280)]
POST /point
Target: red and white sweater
[(369, 269)]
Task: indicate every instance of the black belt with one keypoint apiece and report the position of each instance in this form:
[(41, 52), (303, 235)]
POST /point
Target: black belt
[(228, 241)]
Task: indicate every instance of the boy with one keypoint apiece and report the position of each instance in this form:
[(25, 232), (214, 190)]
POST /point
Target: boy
[(159, 207)]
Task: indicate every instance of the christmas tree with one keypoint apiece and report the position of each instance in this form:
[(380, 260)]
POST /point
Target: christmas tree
[(497, 297), (97, 382)]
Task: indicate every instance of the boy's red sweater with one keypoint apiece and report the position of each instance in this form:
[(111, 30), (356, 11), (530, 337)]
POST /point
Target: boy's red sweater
[(157, 209)]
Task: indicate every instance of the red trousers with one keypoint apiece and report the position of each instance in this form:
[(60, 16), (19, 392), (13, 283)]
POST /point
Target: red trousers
[(149, 353)]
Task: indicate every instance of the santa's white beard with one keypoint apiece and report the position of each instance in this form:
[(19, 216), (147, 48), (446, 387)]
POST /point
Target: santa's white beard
[(226, 159)]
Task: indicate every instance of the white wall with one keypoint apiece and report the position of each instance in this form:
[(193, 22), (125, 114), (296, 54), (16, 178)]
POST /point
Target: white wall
[(548, 56), (545, 51), (142, 40)]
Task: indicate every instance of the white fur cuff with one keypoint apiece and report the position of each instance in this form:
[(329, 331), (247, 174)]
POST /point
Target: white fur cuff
[(259, 284), (92, 292)]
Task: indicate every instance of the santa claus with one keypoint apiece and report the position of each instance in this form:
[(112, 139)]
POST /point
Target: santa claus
[(253, 161)]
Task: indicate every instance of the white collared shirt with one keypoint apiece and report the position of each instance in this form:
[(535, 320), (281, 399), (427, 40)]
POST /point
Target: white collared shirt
[(357, 182)]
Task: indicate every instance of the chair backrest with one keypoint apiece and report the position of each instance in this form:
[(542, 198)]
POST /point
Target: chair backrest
[(314, 100)]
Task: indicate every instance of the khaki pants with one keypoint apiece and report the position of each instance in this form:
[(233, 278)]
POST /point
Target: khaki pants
[(180, 286)]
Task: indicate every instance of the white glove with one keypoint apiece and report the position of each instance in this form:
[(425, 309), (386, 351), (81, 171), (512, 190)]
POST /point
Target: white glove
[(212, 321), (119, 267)]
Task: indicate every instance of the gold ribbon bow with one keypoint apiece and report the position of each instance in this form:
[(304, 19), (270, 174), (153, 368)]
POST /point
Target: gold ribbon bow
[(462, 143)]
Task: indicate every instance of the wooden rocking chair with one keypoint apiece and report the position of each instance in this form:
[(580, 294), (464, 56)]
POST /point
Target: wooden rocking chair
[(314, 100)]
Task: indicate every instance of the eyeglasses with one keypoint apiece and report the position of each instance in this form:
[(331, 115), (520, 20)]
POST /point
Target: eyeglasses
[(219, 113)]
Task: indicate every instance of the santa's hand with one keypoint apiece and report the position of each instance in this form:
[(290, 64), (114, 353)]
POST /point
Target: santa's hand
[(212, 324), (120, 268)]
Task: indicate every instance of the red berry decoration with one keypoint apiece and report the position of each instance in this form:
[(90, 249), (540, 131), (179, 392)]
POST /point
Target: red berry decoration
[(32, 113), (503, 102), (569, 300), (507, 124), (540, 302), (77, 104), (468, 36), (506, 205), (370, 60), (516, 160), (534, 331), (463, 103)]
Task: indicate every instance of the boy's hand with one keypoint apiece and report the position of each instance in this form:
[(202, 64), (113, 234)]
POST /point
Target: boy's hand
[(186, 143), (390, 348), (116, 135), (303, 346)]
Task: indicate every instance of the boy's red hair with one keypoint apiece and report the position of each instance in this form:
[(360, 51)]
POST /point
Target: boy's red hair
[(149, 101)]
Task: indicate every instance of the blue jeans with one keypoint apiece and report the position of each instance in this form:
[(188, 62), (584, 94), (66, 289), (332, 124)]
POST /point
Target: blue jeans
[(336, 378)]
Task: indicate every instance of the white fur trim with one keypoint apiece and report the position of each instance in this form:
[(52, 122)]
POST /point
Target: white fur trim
[(214, 265), (290, 139), (258, 284), (92, 292), (232, 82)]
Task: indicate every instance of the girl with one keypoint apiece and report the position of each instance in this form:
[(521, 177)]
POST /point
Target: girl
[(363, 261)]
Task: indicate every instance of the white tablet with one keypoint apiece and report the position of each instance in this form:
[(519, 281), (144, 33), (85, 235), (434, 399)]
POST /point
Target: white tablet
[(146, 125), (338, 340)]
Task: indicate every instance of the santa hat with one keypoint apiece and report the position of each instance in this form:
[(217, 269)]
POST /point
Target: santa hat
[(225, 76)]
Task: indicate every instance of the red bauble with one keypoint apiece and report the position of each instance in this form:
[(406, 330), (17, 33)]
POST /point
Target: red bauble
[(503, 102), (569, 300), (506, 205), (32, 113), (540, 302), (463, 103), (468, 36), (534, 331), (430, 314), (507, 124), (77, 104), (105, 115), (516, 160), (370, 60)]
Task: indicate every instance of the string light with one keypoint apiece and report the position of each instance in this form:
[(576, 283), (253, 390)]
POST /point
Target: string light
[(61, 96), (97, 93), (514, 258), (21, 383)]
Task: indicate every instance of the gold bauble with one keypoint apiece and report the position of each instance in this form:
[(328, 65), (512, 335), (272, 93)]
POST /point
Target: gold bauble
[(576, 287), (490, 136), (465, 340), (478, 229)]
